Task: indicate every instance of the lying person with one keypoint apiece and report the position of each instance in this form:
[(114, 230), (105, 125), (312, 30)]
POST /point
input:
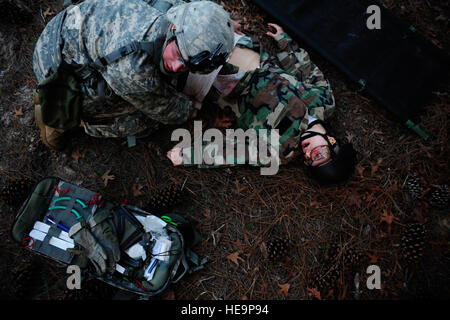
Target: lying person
[(288, 93)]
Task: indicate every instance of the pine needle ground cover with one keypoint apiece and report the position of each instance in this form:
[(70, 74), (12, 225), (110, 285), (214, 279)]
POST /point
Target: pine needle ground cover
[(265, 237)]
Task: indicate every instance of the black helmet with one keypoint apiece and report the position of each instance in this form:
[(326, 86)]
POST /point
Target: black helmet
[(339, 168), (343, 160)]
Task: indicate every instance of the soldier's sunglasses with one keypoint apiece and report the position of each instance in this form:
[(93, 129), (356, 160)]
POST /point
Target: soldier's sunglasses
[(206, 62)]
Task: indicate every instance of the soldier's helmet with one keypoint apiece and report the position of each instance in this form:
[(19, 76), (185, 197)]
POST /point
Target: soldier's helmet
[(204, 34), (339, 169)]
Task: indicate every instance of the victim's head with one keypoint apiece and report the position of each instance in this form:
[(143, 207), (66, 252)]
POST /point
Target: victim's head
[(328, 160)]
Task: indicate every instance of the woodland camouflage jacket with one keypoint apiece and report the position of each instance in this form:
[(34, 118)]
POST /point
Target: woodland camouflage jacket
[(284, 93)]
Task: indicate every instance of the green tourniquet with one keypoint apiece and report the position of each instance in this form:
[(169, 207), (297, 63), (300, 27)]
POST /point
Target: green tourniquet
[(82, 203), (77, 214), (63, 208), (57, 207)]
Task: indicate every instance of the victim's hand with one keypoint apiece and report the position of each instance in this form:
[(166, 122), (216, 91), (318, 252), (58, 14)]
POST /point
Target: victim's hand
[(175, 156), (279, 30), (237, 26)]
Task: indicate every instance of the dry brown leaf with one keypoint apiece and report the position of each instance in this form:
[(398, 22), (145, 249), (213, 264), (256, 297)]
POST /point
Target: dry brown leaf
[(370, 198), (374, 167), (137, 190), (373, 258), (106, 177), (235, 257), (263, 287), (360, 170), (388, 217), (314, 293), (284, 289), (315, 204), (18, 112), (330, 294), (170, 295)]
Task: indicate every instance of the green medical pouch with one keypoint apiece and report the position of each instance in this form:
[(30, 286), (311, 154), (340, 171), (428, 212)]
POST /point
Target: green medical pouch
[(61, 99), (67, 204)]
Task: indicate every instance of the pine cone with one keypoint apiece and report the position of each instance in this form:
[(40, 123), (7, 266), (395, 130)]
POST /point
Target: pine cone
[(414, 187), (277, 249), (413, 242), (16, 191), (332, 253), (440, 197), (164, 199), (326, 280), (351, 257)]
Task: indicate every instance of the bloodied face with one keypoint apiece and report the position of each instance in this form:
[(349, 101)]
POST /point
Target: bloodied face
[(316, 150)]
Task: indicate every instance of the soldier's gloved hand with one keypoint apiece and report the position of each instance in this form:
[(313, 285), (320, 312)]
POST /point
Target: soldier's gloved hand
[(92, 248), (103, 229)]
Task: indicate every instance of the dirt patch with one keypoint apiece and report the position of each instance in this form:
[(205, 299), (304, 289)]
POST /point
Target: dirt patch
[(237, 209)]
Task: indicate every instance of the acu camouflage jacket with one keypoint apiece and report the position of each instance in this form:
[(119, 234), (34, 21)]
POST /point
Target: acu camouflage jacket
[(138, 95)]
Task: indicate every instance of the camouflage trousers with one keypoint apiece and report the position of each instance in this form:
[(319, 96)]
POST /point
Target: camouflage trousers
[(110, 116)]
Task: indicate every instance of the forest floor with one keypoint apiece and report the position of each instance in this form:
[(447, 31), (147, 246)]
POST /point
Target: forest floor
[(237, 210)]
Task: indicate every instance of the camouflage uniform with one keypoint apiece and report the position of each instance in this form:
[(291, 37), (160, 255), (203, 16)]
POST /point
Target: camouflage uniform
[(138, 96), (284, 93)]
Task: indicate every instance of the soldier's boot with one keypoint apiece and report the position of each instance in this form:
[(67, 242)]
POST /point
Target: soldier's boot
[(51, 137)]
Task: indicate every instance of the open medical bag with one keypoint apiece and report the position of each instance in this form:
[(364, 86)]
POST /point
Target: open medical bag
[(153, 250)]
